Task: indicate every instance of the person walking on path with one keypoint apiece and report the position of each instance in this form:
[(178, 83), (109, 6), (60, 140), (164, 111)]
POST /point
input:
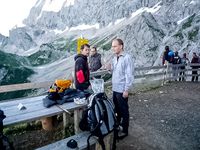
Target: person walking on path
[(184, 62), (81, 68), (168, 56), (122, 79), (175, 68), (195, 60), (167, 60)]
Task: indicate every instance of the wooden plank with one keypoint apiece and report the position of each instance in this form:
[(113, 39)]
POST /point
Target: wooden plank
[(99, 72), (190, 69), (24, 101), (81, 138), (24, 86), (26, 117), (149, 75), (77, 117), (149, 68), (190, 75), (66, 117), (30, 107), (71, 106), (36, 85), (34, 110)]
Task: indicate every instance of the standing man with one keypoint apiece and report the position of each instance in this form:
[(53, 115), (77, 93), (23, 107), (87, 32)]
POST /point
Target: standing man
[(175, 68), (184, 62), (94, 60), (195, 60), (81, 68), (122, 79), (168, 56)]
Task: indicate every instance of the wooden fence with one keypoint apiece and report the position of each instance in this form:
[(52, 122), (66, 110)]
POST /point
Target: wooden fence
[(163, 73)]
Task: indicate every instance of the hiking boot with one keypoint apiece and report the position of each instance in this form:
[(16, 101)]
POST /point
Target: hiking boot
[(120, 128), (122, 134)]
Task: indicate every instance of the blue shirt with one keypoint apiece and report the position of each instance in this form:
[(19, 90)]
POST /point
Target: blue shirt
[(122, 72)]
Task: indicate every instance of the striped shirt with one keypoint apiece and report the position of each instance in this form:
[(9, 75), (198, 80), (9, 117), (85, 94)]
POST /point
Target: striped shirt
[(122, 72)]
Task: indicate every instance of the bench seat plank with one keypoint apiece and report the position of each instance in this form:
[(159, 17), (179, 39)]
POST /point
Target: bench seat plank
[(81, 139), (34, 110), (24, 101)]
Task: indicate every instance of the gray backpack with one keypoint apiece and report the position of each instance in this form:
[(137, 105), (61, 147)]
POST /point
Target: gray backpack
[(99, 118)]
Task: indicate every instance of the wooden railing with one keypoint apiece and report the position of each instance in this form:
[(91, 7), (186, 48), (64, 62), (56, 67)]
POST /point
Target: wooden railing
[(155, 72)]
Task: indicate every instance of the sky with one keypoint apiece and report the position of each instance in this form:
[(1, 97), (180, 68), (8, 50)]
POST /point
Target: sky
[(13, 12)]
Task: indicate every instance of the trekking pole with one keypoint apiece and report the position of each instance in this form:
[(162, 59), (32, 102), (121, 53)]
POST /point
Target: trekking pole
[(65, 110)]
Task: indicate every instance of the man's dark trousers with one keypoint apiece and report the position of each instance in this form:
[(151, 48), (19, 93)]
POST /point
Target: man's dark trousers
[(122, 109)]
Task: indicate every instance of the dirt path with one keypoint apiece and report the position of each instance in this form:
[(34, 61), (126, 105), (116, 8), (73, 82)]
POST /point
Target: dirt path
[(166, 118)]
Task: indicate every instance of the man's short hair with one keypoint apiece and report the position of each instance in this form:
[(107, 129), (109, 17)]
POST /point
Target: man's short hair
[(166, 48), (95, 48), (85, 45), (119, 41)]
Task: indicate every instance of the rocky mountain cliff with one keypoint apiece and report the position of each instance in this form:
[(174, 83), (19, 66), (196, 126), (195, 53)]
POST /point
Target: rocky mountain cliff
[(52, 27)]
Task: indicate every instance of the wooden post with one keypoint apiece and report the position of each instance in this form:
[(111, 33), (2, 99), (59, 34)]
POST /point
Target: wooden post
[(77, 116), (66, 119)]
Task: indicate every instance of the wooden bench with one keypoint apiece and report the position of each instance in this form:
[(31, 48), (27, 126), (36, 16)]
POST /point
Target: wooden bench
[(81, 140), (35, 110)]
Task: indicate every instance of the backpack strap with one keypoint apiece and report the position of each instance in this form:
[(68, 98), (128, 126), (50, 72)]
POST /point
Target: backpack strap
[(115, 138), (101, 142), (88, 142)]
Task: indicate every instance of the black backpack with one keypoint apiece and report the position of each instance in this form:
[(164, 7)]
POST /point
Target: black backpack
[(4, 142), (100, 119)]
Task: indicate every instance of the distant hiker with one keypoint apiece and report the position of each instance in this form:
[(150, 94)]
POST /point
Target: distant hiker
[(122, 79), (195, 59), (175, 68), (184, 62), (81, 68), (95, 60), (168, 56)]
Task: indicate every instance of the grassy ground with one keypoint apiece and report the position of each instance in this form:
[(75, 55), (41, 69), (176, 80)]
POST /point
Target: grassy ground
[(29, 136)]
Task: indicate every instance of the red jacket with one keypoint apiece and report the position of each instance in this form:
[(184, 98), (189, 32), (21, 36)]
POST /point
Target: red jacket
[(82, 74)]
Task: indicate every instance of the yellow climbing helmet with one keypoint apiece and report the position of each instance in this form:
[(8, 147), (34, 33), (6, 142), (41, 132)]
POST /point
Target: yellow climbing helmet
[(60, 85)]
